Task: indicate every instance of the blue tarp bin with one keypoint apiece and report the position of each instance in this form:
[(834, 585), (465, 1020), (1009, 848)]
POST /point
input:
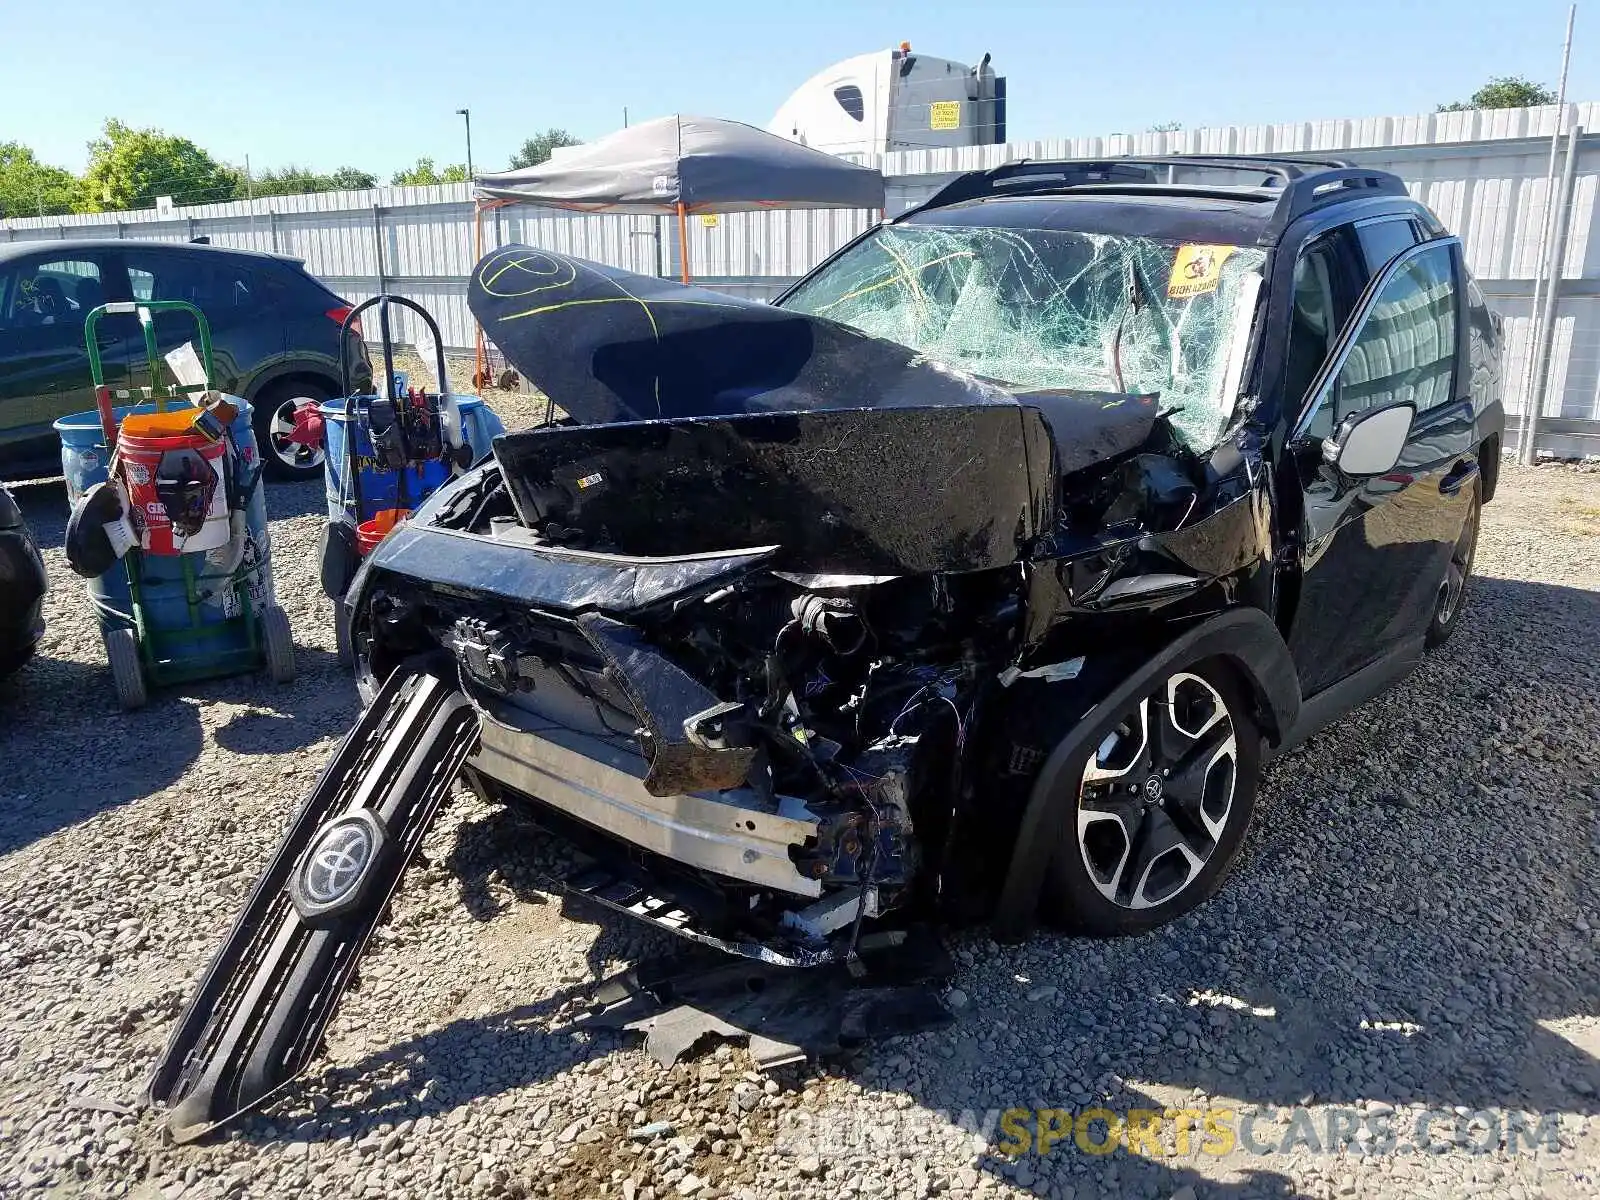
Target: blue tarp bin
[(380, 486)]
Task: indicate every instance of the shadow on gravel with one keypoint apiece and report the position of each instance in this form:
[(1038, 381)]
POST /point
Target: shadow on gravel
[(68, 752), (1415, 911), (75, 770), (44, 508), (262, 732), (295, 499), (467, 1059), (487, 852)]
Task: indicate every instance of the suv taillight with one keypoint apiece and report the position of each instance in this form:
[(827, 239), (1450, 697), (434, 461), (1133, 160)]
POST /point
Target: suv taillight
[(337, 316)]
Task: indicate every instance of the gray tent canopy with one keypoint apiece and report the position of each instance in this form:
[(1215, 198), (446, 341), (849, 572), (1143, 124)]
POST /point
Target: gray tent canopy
[(689, 164)]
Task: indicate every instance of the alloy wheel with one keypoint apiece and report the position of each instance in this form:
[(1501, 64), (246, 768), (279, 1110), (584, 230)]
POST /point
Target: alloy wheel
[(296, 455), (1157, 793)]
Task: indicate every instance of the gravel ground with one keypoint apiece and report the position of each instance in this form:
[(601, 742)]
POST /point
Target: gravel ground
[(1412, 930)]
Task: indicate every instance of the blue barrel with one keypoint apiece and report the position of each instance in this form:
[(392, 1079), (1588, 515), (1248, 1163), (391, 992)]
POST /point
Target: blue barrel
[(380, 487), (83, 462)]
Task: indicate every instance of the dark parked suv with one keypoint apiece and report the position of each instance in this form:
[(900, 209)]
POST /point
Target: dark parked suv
[(274, 328)]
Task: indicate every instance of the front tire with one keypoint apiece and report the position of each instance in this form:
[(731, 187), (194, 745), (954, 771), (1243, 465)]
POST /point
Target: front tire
[(1160, 807), (272, 417)]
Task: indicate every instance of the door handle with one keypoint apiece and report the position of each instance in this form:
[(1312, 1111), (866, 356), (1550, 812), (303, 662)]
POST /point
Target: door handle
[(1460, 474)]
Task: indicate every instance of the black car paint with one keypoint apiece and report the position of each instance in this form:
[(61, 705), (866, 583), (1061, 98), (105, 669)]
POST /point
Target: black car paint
[(23, 584), (286, 336), (1296, 541), (865, 491)]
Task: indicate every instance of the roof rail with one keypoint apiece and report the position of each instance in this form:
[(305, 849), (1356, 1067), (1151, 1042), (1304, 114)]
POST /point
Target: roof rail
[(1295, 185)]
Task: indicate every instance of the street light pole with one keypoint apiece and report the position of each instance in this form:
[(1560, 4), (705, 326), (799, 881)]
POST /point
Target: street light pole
[(467, 114)]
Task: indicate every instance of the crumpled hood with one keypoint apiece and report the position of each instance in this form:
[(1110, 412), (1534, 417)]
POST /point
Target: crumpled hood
[(608, 345), (711, 423)]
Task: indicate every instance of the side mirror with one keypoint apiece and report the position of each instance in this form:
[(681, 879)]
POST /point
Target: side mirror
[(1369, 443)]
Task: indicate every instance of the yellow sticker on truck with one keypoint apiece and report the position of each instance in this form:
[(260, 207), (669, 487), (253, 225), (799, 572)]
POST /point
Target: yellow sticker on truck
[(1196, 270), (944, 114)]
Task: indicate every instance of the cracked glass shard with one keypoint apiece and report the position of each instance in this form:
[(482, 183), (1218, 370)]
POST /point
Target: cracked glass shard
[(1037, 309)]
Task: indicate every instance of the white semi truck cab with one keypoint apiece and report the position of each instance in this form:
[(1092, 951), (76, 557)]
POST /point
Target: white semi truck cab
[(895, 100)]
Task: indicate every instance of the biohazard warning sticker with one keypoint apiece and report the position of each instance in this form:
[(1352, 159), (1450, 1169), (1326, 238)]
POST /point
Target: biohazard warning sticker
[(1196, 270)]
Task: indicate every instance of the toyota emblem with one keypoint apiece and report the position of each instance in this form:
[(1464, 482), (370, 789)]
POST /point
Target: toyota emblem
[(1152, 789), (336, 862), (333, 871)]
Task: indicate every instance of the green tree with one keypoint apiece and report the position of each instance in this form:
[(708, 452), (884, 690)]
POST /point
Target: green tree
[(1505, 91), (129, 168), (30, 188), (424, 173), (351, 179), (294, 181), (540, 146), (1165, 127)]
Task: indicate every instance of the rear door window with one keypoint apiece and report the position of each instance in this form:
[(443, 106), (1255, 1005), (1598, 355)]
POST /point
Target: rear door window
[(218, 287)]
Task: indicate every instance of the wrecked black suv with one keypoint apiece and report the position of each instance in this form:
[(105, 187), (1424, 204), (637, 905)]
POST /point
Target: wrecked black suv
[(980, 571), (974, 578)]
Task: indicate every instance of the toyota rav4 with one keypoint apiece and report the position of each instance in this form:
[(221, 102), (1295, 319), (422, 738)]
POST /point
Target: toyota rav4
[(975, 577)]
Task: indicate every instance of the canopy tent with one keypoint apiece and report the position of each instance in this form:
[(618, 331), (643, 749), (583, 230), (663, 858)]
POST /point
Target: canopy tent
[(689, 164), (679, 165)]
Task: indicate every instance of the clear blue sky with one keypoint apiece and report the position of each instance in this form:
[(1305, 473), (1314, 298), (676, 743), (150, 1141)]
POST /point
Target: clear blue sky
[(374, 84)]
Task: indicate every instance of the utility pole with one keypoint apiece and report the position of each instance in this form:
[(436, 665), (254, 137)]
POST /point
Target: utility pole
[(624, 116), (38, 193), (466, 113), (250, 196), (1546, 273)]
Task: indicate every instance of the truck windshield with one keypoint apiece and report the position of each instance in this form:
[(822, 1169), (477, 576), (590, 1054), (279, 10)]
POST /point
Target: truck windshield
[(1036, 309)]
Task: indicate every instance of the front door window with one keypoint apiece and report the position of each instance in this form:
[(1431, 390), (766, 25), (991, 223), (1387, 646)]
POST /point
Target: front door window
[(56, 294), (1405, 351)]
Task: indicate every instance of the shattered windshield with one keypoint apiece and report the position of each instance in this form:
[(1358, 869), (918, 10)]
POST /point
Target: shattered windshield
[(1036, 309)]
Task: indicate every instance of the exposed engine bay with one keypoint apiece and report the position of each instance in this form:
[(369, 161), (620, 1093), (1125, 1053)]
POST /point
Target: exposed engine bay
[(771, 719)]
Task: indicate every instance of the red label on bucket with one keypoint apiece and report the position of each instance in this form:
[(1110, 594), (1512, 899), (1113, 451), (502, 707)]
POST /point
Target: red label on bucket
[(184, 470)]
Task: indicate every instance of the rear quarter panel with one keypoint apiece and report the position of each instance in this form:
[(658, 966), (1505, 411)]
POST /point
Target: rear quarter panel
[(1485, 346)]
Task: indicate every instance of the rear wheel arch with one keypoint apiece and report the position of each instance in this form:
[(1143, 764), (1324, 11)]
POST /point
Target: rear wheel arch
[(1489, 466), (289, 376)]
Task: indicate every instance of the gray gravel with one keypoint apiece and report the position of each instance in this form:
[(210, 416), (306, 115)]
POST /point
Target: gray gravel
[(1412, 929)]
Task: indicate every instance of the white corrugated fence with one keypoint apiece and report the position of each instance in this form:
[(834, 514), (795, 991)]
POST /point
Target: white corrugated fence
[(1482, 171)]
